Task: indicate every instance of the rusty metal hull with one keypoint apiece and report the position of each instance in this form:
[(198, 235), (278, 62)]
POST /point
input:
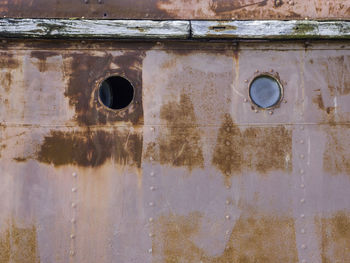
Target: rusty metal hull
[(190, 171), (179, 9)]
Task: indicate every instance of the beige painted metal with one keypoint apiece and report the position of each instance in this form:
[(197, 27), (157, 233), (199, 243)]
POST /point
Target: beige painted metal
[(190, 171)]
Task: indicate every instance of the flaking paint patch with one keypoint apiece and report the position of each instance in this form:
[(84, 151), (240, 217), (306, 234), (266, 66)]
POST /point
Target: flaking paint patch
[(336, 156), (91, 148), (335, 237), (19, 245), (179, 143), (83, 73), (253, 239), (260, 149)]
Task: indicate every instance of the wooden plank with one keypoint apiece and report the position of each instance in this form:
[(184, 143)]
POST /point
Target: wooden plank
[(172, 29), (101, 29), (270, 29)]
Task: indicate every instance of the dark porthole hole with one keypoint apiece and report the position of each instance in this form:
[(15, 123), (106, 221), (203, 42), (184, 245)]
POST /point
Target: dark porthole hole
[(116, 92), (265, 91), (105, 14)]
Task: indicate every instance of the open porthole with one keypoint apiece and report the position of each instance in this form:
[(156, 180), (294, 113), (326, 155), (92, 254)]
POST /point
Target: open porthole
[(265, 91), (116, 92)]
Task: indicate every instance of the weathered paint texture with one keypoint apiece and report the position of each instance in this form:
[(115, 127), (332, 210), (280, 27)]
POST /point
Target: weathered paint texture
[(181, 9), (19, 245), (91, 148), (260, 149), (335, 237), (336, 157), (260, 238), (179, 143)]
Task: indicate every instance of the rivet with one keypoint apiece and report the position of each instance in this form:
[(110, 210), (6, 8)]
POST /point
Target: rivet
[(227, 217), (74, 190), (302, 215), (245, 80), (306, 18), (227, 232), (150, 219), (72, 253), (302, 185), (151, 158), (72, 236), (228, 129), (152, 188), (271, 70), (73, 221), (302, 156), (151, 204), (302, 231), (303, 246), (270, 112), (228, 186), (228, 143), (245, 100), (285, 101), (301, 171), (301, 141), (150, 250), (301, 127), (256, 111), (257, 71), (228, 202), (302, 200), (83, 42), (152, 174), (150, 235), (74, 174), (74, 205), (152, 128), (159, 43)]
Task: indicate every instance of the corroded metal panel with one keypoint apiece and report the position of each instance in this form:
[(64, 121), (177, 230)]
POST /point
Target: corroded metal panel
[(178, 9), (191, 171)]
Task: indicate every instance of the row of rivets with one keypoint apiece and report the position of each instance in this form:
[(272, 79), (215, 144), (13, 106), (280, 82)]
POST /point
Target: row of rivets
[(73, 220), (302, 186), (151, 188)]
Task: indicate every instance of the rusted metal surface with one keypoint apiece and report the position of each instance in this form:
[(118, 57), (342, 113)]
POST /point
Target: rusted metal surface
[(190, 172), (178, 9), (172, 29)]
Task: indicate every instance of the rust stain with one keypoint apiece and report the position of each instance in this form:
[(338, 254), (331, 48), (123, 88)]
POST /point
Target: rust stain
[(329, 113), (41, 57), (336, 156), (91, 148), (220, 6), (8, 61), (83, 73), (6, 81), (336, 70), (253, 239), (179, 143), (335, 237), (19, 245), (259, 149)]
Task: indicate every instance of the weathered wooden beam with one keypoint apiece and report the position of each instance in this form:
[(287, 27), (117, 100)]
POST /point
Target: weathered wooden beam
[(270, 29), (101, 29), (172, 29)]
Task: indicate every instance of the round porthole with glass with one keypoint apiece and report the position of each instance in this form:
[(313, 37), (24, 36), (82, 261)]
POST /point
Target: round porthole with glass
[(265, 91)]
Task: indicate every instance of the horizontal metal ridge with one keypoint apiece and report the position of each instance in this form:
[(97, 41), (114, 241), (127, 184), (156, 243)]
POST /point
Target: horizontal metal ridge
[(172, 29)]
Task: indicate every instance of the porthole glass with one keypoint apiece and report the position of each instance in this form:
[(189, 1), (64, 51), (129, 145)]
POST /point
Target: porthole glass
[(265, 91), (116, 92)]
